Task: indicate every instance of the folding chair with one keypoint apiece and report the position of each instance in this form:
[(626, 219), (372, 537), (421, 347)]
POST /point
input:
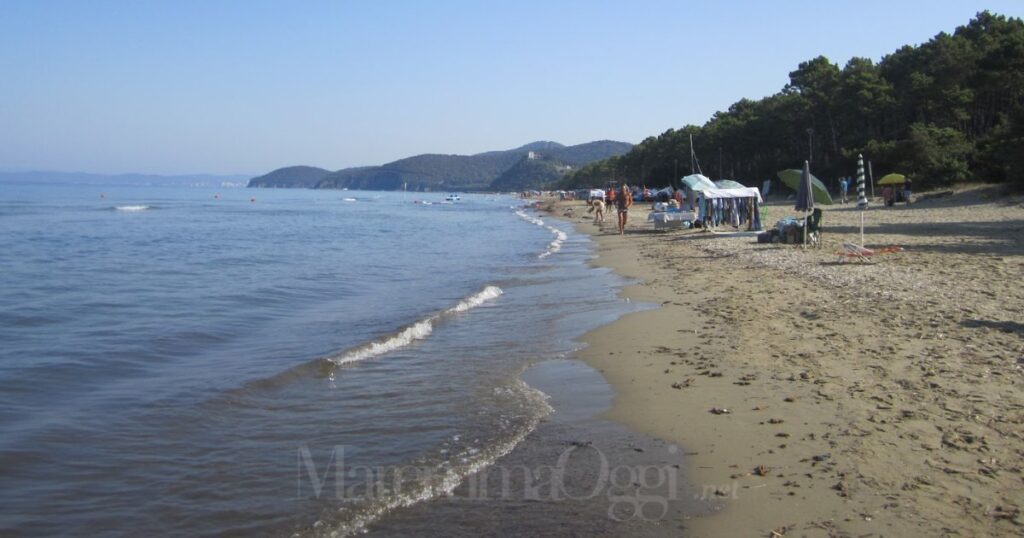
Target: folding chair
[(814, 228)]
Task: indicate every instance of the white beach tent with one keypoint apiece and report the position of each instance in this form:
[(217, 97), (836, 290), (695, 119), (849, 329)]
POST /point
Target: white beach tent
[(745, 192)]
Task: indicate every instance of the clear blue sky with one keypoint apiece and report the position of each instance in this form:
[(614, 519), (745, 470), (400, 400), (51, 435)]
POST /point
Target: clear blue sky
[(181, 86)]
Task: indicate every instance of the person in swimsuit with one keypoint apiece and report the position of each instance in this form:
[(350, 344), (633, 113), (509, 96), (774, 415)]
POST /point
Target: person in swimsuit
[(622, 202)]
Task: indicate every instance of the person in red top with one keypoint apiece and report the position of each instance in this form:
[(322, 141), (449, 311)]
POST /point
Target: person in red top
[(622, 202)]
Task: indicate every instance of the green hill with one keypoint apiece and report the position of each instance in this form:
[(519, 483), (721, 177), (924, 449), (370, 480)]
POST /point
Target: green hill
[(291, 176), (454, 172)]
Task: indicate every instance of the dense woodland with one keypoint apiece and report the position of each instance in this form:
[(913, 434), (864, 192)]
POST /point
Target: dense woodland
[(950, 110)]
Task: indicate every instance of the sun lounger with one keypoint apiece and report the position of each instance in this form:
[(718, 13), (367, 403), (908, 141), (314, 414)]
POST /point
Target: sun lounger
[(851, 251)]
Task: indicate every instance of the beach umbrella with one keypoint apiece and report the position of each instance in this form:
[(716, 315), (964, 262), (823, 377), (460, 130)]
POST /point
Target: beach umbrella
[(804, 195), (729, 184), (862, 199), (892, 179), (791, 178), (804, 190), (698, 182)]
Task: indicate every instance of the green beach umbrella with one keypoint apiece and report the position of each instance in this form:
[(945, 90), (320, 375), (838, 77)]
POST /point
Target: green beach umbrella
[(892, 179), (791, 178)]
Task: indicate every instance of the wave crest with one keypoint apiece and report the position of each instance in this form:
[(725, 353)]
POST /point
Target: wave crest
[(417, 331)]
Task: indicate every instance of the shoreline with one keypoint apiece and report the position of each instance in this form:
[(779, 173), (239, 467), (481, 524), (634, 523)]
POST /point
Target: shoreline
[(835, 423)]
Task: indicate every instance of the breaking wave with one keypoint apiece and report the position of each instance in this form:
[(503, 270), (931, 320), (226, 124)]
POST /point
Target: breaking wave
[(527, 407), (416, 331), (556, 244)]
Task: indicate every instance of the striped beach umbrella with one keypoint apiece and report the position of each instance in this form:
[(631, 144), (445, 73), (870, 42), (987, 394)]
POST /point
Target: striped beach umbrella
[(862, 199)]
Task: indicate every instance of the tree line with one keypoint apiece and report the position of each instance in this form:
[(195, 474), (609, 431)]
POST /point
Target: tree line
[(950, 110)]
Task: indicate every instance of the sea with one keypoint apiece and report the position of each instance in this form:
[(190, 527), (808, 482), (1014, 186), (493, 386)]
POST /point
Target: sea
[(260, 362)]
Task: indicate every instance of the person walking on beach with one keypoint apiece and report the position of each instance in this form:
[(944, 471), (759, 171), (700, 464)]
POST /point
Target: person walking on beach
[(907, 190), (597, 207), (623, 200), (844, 184)]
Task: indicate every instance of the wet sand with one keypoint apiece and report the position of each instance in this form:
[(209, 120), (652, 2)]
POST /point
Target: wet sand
[(816, 397)]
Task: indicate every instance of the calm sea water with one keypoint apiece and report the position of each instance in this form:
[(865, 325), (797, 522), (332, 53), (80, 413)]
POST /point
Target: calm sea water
[(181, 361)]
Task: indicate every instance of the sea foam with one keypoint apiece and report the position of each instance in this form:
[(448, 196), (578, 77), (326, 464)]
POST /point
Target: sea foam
[(556, 244), (417, 331)]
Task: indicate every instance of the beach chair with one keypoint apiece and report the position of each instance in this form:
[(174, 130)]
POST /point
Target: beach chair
[(814, 228), (856, 252)]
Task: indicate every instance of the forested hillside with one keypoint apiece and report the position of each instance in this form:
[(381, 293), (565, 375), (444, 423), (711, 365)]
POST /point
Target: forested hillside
[(949, 110)]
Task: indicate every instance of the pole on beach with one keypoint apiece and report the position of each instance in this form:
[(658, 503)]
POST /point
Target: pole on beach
[(871, 178), (691, 154)]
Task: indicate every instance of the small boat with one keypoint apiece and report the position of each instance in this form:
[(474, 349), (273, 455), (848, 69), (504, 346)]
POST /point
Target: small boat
[(452, 198)]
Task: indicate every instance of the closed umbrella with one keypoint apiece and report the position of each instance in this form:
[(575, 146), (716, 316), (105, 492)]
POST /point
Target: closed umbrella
[(862, 199), (805, 196), (805, 190)]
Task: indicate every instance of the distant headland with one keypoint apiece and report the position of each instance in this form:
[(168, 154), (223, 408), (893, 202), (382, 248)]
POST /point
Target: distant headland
[(529, 166)]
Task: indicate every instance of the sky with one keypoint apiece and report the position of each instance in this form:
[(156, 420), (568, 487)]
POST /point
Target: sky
[(245, 87)]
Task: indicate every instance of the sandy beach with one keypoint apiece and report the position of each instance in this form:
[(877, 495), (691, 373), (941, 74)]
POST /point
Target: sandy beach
[(824, 398)]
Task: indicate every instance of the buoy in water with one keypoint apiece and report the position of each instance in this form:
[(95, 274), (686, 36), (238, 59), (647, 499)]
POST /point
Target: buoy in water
[(252, 199)]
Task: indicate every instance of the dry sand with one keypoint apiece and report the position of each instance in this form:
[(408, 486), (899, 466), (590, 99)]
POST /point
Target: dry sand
[(819, 398)]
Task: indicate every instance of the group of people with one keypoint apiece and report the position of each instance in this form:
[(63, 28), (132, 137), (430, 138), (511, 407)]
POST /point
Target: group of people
[(891, 195), (621, 199)]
